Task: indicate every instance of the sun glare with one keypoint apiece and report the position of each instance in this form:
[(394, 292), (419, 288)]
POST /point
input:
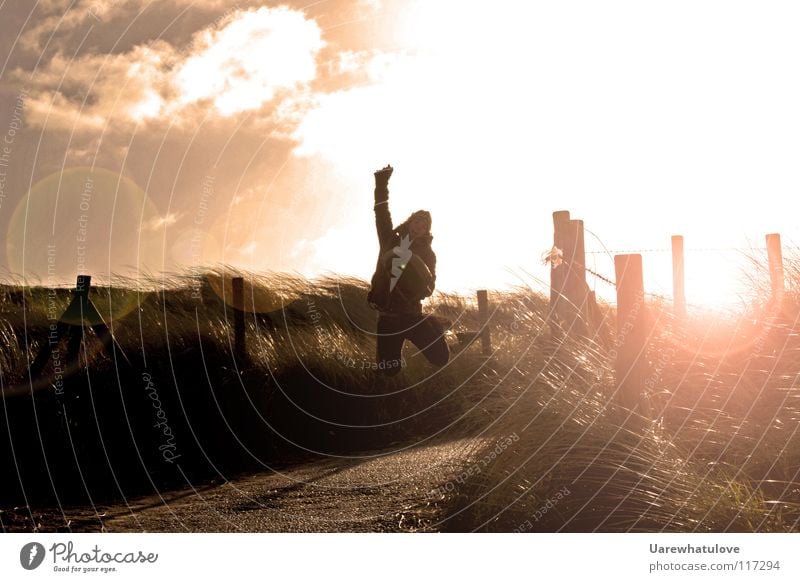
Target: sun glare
[(494, 120)]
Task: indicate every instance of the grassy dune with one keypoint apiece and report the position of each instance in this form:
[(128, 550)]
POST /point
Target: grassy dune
[(719, 449), (302, 390), (716, 451)]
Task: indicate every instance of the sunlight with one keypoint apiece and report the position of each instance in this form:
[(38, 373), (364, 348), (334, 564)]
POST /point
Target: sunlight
[(240, 66), (149, 107), (371, 247), (494, 119), (713, 279), (716, 279)]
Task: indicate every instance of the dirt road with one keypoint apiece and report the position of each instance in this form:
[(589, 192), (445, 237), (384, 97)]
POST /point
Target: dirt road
[(394, 491)]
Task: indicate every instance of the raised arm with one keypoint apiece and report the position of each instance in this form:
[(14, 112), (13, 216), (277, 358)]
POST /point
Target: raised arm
[(383, 219)]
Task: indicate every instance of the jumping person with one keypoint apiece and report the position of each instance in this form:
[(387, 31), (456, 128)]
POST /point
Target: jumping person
[(404, 276)]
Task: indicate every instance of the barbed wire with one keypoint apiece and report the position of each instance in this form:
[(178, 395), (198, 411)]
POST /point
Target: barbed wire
[(610, 252), (626, 252), (702, 250), (601, 277), (613, 283)]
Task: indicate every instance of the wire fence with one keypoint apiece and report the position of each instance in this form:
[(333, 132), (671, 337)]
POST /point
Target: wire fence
[(698, 250), (734, 264)]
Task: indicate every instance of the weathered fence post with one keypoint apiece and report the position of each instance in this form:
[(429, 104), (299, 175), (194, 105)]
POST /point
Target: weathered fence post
[(75, 314), (631, 340), (81, 312), (578, 258), (678, 277), (238, 315), (569, 293), (577, 289), (82, 285), (557, 273), (483, 315), (775, 257)]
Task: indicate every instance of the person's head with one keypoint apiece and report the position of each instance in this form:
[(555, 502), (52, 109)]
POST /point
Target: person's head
[(418, 224)]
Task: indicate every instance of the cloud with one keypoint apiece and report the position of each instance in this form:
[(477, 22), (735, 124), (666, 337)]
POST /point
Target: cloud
[(240, 63), (158, 222), (244, 196), (248, 249), (223, 93), (58, 19), (89, 91)]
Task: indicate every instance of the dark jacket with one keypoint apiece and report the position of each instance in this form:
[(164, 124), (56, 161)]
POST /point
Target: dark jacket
[(389, 239)]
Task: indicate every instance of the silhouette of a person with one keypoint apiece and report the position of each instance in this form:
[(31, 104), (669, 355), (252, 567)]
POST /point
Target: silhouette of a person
[(405, 251)]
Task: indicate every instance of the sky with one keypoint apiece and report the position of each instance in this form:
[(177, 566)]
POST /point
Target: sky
[(144, 137)]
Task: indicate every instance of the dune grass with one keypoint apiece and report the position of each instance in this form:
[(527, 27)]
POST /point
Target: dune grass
[(717, 449), (303, 389)]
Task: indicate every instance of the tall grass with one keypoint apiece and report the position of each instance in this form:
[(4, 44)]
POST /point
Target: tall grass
[(718, 450), (303, 389), (715, 449)]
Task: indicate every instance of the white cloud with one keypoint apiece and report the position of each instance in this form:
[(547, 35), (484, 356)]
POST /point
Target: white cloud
[(240, 63), (158, 222), (58, 17), (349, 62), (252, 55), (249, 248)]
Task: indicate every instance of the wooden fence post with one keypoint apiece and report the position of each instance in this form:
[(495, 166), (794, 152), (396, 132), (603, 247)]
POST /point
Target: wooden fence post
[(82, 285), (631, 339), (238, 315), (558, 276), (577, 289), (569, 293), (560, 235), (775, 257), (79, 313), (560, 227), (76, 317), (678, 277), (578, 252), (483, 314)]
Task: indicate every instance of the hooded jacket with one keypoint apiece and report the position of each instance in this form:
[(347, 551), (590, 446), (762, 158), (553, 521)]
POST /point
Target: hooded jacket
[(389, 238)]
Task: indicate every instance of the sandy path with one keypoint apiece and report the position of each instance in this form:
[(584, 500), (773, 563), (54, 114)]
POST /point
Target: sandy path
[(392, 492)]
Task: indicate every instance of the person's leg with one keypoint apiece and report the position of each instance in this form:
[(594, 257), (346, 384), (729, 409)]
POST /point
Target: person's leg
[(390, 344), (428, 336)]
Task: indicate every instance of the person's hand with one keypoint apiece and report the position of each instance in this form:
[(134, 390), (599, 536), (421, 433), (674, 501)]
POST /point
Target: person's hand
[(382, 176)]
